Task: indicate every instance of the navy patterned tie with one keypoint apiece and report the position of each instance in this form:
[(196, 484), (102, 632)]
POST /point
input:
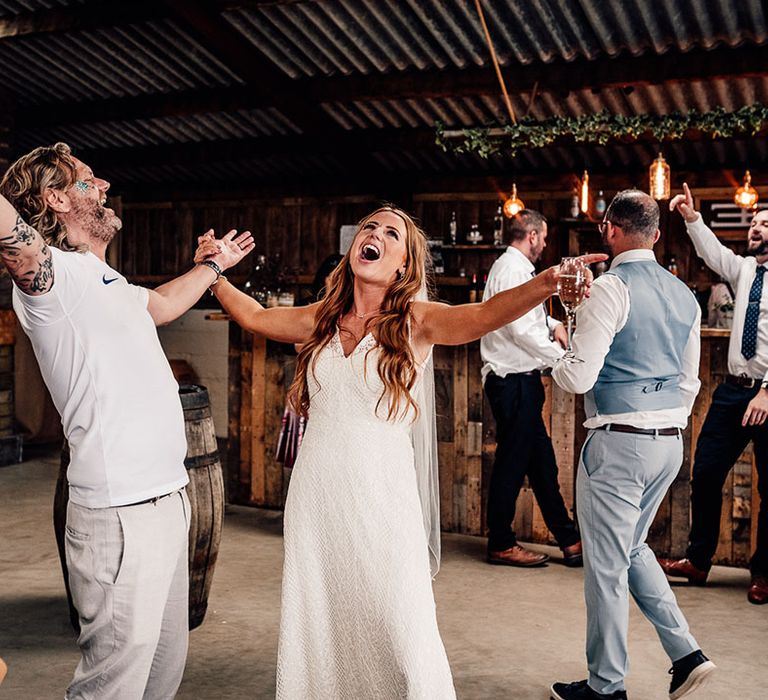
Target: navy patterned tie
[(749, 337)]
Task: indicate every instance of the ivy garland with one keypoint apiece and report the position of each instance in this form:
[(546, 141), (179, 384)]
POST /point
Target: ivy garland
[(600, 128)]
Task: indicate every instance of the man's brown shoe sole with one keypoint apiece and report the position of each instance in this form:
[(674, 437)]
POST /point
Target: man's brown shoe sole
[(525, 565)]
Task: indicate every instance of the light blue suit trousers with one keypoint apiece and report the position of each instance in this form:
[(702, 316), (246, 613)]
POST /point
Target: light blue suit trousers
[(621, 482)]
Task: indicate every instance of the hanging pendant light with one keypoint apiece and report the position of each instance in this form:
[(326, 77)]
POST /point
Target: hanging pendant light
[(513, 205), (584, 194), (660, 178), (746, 195)]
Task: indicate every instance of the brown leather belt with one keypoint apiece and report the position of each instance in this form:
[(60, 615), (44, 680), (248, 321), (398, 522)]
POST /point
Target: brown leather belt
[(619, 428), (742, 381)]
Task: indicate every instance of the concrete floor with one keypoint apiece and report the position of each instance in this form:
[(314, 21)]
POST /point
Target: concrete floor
[(509, 632)]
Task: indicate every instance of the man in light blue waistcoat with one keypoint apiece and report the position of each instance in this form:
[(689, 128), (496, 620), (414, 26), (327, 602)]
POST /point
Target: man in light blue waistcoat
[(638, 339)]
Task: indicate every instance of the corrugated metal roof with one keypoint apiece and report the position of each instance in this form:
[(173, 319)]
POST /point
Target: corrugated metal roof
[(18, 7), (164, 130), (369, 36), (477, 111), (366, 37), (147, 58)]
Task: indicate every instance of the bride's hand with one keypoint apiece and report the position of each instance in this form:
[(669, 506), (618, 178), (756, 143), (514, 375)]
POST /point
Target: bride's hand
[(552, 274)]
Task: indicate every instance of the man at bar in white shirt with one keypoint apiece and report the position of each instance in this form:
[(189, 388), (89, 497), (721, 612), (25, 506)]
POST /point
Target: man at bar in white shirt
[(513, 358), (637, 337), (739, 405)]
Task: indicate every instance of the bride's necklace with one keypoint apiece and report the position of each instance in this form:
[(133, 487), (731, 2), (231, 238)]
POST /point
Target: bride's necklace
[(368, 313)]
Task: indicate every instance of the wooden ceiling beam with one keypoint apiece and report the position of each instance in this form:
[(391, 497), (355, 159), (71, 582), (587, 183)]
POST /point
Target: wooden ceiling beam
[(352, 146), (558, 77), (91, 15), (341, 145)]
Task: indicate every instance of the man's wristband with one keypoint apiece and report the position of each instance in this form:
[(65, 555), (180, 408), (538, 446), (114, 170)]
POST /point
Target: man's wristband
[(215, 267)]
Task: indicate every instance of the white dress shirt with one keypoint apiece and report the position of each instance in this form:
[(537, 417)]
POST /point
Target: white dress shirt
[(598, 320), (740, 272), (523, 345)]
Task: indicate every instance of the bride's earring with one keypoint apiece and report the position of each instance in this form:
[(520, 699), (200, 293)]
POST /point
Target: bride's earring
[(400, 274)]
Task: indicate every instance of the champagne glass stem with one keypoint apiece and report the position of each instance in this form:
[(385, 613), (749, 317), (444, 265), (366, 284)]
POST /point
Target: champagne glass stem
[(569, 349)]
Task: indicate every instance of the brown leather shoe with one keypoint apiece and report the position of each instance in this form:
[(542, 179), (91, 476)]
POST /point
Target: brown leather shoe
[(517, 556), (758, 591), (572, 555), (684, 569)]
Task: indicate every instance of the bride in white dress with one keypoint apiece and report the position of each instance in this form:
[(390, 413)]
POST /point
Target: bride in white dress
[(358, 613)]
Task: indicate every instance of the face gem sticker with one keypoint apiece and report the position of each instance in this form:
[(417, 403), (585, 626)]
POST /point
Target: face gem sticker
[(82, 185)]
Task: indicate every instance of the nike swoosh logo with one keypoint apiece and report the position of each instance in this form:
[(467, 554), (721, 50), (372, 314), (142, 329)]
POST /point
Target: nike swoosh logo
[(106, 281)]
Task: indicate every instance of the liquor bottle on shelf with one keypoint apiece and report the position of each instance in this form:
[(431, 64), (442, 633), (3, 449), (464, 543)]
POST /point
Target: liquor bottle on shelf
[(600, 205), (474, 236), (473, 290), (481, 289), (436, 251), (498, 228), (256, 284), (672, 266), (452, 229), (575, 211)]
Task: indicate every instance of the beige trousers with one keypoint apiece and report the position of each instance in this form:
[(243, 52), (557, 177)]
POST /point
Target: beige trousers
[(129, 577)]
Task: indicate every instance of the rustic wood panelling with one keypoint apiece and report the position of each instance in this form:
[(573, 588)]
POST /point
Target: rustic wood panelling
[(159, 239)]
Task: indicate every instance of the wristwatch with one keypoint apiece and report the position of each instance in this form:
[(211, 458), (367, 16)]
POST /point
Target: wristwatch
[(764, 385)]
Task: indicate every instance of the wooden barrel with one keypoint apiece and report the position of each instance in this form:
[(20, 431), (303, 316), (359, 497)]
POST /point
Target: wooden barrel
[(206, 496)]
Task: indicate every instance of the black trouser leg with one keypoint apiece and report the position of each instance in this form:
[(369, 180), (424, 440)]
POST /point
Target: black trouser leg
[(543, 477), (759, 563), (721, 441), (521, 448)]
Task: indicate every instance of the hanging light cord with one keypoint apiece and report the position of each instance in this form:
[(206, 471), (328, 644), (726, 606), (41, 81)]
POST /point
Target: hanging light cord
[(495, 62)]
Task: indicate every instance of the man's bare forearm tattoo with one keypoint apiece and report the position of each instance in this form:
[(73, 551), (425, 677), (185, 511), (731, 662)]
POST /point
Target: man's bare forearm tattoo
[(31, 274)]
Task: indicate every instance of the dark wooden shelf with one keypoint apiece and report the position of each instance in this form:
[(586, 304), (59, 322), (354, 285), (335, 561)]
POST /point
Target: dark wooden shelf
[(449, 281), (462, 247)]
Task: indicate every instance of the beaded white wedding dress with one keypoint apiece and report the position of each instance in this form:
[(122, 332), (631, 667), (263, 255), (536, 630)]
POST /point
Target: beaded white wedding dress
[(358, 613)]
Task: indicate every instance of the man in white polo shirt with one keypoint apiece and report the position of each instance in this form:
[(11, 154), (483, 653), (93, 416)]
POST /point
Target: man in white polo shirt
[(94, 337)]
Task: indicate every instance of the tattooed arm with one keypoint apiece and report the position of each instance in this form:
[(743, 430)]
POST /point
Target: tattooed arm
[(24, 252)]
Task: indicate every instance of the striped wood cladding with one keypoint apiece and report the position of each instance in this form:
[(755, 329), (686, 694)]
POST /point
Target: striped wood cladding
[(159, 239)]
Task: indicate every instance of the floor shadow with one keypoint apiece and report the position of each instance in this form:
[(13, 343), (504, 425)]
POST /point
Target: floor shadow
[(35, 622), (254, 519)]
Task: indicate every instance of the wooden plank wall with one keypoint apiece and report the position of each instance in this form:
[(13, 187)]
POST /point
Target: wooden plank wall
[(158, 240), (669, 534), (265, 370)]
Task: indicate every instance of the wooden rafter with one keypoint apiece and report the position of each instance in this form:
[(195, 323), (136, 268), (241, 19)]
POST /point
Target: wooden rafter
[(347, 145), (90, 15), (341, 145)]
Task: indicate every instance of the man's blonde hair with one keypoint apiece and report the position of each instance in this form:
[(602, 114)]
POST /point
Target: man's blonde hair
[(29, 178)]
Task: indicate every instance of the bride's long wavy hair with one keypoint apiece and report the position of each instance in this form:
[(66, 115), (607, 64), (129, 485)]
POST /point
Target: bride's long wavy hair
[(397, 366)]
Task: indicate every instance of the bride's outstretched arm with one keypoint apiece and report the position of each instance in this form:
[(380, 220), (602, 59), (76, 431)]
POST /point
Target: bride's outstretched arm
[(442, 324), (282, 323)]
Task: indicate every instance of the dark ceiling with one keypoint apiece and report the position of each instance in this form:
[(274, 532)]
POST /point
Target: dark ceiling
[(214, 93)]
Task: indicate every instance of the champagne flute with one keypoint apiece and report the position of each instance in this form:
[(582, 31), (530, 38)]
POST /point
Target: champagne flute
[(571, 288)]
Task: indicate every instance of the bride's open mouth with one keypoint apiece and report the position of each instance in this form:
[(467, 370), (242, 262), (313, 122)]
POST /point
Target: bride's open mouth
[(370, 252)]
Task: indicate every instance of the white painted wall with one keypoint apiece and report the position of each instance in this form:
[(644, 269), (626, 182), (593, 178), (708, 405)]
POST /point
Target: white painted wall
[(204, 345)]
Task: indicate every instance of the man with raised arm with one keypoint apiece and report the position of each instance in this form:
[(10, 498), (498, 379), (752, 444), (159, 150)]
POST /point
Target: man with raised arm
[(739, 405), (95, 340), (638, 341)]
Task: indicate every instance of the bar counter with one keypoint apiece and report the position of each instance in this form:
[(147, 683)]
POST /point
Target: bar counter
[(261, 371)]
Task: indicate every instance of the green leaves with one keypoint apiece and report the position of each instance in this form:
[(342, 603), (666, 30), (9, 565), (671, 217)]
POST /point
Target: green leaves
[(600, 128)]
